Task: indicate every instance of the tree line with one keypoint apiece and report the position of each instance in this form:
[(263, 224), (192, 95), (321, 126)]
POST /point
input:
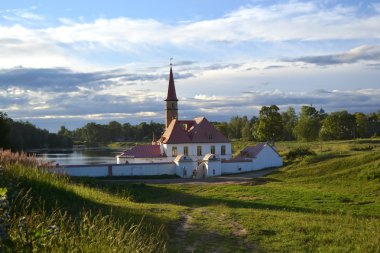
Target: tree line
[(309, 125), (19, 135), (271, 125), (94, 134)]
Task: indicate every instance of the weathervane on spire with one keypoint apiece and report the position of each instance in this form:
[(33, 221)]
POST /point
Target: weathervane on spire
[(171, 64)]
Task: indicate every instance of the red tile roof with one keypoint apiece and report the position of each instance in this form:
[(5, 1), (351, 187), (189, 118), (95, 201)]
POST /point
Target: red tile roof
[(172, 96), (175, 133), (199, 130), (253, 151), (143, 151)]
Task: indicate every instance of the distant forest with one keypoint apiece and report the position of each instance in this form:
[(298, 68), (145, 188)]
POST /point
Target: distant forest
[(19, 135), (271, 125)]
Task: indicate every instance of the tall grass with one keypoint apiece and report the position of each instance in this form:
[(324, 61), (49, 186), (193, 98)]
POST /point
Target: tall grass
[(30, 222)]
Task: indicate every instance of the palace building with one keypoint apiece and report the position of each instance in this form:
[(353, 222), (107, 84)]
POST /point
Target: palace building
[(195, 139)]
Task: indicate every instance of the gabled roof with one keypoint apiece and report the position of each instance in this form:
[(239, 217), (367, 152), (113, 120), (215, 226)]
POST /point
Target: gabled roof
[(253, 151), (204, 131), (172, 96), (143, 151), (199, 130), (175, 133)]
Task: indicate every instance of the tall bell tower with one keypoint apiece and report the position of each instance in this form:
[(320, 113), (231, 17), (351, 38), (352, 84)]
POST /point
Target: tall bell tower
[(171, 101)]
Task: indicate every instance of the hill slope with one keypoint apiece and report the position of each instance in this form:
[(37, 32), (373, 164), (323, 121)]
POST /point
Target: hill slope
[(329, 202)]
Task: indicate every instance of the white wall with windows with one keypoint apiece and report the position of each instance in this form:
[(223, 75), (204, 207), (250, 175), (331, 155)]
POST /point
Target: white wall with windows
[(193, 149)]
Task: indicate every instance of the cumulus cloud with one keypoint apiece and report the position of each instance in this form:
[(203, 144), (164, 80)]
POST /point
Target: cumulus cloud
[(285, 21), (293, 20), (361, 53)]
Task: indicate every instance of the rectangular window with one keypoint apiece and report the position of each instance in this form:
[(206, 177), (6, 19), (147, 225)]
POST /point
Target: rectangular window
[(213, 150), (199, 150), (174, 151), (223, 150), (186, 150)]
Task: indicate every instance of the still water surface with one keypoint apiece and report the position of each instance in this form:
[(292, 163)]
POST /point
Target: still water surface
[(82, 156)]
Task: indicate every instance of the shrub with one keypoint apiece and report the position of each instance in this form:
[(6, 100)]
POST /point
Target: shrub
[(299, 152)]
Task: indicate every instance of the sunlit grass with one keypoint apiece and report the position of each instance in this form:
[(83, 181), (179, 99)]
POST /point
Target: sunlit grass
[(327, 202), (86, 219)]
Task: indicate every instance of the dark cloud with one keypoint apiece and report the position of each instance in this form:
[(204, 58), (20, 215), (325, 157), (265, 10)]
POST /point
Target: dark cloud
[(362, 53), (183, 63), (222, 66), (64, 80), (56, 79), (274, 67)]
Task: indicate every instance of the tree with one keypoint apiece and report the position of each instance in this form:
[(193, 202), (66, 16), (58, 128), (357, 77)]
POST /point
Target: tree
[(308, 126), (115, 130), (235, 128), (222, 127), (289, 119), (338, 126), (362, 130), (4, 130), (374, 124), (270, 126), (246, 132), (63, 131)]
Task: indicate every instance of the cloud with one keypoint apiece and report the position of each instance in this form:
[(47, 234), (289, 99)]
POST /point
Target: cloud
[(361, 53), (21, 15), (63, 79), (366, 100), (278, 22), (274, 67), (73, 42)]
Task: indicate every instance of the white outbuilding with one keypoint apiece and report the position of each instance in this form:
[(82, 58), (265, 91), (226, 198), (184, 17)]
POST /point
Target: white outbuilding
[(263, 155)]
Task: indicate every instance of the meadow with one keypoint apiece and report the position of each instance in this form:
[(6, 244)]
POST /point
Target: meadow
[(327, 201)]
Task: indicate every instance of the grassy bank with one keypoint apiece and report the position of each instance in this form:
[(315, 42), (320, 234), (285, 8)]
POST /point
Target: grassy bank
[(327, 202), (44, 212)]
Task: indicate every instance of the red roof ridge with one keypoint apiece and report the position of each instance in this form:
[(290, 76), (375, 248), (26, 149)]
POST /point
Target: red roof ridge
[(143, 151)]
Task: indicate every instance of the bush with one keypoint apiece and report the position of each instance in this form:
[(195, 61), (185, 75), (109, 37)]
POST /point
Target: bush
[(318, 158), (299, 152), (361, 148)]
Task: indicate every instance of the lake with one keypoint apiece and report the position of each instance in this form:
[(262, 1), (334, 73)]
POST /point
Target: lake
[(78, 156)]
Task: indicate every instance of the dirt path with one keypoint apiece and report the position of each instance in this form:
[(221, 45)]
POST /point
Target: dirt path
[(226, 179), (192, 235)]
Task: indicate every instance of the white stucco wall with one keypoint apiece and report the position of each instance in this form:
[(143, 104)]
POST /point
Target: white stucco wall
[(214, 168), (86, 171), (123, 160), (185, 169), (135, 169), (236, 167), (206, 149), (267, 158), (144, 169)]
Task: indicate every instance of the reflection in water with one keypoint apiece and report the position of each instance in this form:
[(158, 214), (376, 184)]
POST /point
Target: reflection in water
[(78, 156)]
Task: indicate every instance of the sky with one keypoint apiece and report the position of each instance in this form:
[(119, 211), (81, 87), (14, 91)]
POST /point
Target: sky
[(73, 62)]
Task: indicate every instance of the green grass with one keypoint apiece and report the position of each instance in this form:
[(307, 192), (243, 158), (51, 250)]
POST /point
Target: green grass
[(328, 202), (124, 144)]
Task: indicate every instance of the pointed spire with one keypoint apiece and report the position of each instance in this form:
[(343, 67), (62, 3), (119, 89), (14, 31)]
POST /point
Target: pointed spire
[(172, 96)]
